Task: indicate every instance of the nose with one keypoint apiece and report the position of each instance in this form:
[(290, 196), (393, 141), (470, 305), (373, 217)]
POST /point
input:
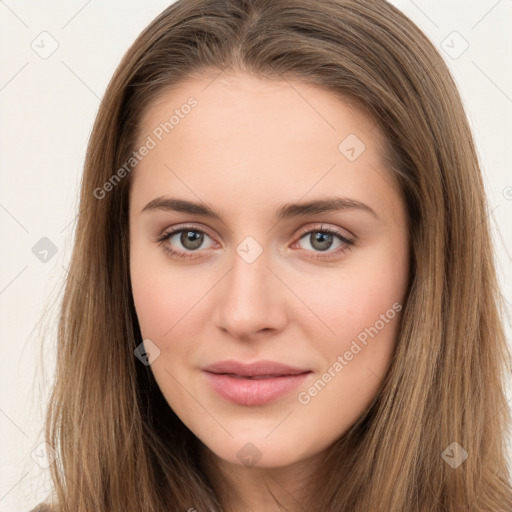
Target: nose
[(251, 300)]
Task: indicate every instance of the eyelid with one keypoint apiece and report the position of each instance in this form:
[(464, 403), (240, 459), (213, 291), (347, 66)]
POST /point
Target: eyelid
[(183, 227), (322, 227), (318, 226)]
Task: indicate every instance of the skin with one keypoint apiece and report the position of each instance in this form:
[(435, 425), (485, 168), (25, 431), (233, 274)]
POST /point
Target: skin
[(250, 146)]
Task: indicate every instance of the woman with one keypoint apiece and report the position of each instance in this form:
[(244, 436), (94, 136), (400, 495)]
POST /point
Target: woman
[(282, 294)]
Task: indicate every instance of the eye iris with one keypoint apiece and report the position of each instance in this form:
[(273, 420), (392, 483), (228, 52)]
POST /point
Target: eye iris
[(323, 239), (191, 239)]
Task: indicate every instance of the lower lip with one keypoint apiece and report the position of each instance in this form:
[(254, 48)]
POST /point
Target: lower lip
[(253, 391)]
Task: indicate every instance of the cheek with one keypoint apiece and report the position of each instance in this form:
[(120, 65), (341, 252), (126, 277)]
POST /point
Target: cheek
[(155, 302), (164, 296), (355, 301), (358, 313), (354, 360), (360, 350)]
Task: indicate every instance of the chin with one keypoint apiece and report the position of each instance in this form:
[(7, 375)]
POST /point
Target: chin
[(259, 452)]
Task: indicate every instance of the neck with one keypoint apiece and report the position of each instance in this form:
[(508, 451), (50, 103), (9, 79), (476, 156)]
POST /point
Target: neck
[(255, 489)]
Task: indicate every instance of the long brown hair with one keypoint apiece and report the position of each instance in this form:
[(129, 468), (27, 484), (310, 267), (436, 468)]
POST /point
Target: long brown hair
[(120, 445)]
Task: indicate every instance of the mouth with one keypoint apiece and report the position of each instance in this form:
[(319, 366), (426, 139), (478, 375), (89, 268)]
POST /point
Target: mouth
[(255, 377), (252, 377), (253, 384), (264, 368)]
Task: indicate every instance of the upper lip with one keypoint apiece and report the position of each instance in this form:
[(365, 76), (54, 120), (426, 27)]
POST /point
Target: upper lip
[(257, 368)]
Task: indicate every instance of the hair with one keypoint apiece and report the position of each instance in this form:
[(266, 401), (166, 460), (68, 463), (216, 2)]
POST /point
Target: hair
[(121, 446)]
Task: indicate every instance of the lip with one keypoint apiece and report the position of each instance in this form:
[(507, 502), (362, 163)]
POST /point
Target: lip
[(271, 380)]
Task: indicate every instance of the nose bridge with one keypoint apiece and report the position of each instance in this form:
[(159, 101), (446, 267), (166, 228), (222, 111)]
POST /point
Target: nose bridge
[(248, 300), (249, 278)]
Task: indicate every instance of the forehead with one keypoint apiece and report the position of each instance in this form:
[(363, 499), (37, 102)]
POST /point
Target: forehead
[(254, 106), (251, 136)]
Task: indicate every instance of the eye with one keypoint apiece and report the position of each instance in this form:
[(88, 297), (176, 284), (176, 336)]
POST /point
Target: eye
[(321, 239), (189, 237)]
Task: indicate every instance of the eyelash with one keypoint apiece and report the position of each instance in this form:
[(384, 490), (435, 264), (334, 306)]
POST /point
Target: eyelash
[(320, 228)]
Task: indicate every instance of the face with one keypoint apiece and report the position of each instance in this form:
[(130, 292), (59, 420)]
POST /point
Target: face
[(224, 267)]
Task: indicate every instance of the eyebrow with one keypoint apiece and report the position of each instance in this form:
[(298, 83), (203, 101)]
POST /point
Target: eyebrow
[(286, 211)]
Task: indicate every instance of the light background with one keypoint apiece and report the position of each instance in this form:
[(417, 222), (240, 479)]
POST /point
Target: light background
[(47, 108)]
